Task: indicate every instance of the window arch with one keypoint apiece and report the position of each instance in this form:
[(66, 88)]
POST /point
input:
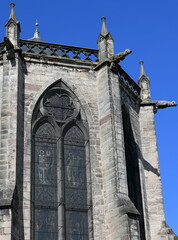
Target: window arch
[(60, 193)]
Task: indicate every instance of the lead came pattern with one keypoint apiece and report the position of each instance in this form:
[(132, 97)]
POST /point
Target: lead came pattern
[(57, 105), (75, 135), (77, 223), (45, 130), (45, 165), (76, 199), (46, 224), (60, 106), (75, 185), (75, 171), (45, 194)]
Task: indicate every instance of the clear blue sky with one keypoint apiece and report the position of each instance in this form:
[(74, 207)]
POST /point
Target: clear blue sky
[(149, 29)]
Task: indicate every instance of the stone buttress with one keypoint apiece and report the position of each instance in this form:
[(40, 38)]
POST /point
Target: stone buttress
[(12, 109), (153, 187), (124, 195)]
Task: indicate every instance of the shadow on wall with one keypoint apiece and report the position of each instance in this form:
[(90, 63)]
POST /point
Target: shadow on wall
[(17, 228), (147, 166), (132, 167)]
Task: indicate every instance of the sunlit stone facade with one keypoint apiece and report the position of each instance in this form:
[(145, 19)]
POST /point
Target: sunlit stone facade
[(78, 156)]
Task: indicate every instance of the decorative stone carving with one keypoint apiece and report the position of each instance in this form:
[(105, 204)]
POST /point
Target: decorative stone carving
[(158, 104), (115, 59), (120, 56), (165, 104)]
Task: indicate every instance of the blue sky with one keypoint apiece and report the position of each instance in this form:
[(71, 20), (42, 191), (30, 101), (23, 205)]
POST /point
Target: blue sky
[(149, 29)]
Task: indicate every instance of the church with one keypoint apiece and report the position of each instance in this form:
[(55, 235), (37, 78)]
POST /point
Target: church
[(78, 155)]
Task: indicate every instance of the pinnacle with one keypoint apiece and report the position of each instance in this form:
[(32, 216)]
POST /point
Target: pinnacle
[(36, 36), (142, 71), (12, 13), (104, 30)]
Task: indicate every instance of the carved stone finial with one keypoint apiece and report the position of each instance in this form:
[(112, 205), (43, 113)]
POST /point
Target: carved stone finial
[(142, 71), (12, 13), (37, 33), (36, 36), (36, 24), (13, 28), (144, 84), (104, 30), (105, 42), (12, 5)]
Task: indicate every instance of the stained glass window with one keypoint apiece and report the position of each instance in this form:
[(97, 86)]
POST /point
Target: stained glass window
[(59, 180), (76, 218), (59, 105), (45, 184)]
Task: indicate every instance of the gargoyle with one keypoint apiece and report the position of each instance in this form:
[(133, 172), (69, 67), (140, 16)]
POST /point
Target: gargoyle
[(115, 59), (120, 56), (158, 104), (9, 49), (163, 104)]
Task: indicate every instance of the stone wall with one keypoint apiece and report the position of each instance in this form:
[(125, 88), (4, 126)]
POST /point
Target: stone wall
[(81, 80), (113, 116), (152, 171), (115, 213), (5, 224)]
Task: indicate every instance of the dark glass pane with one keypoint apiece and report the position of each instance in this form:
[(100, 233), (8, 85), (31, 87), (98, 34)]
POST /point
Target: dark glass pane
[(45, 193), (75, 152), (45, 130), (46, 196), (76, 225), (45, 163), (75, 185), (60, 106), (46, 225), (75, 198), (75, 169), (74, 161), (75, 135), (45, 184)]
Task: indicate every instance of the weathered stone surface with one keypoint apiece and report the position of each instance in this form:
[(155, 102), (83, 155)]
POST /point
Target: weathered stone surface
[(125, 192)]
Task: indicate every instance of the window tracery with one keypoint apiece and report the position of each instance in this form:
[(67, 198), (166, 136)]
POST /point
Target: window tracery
[(59, 174)]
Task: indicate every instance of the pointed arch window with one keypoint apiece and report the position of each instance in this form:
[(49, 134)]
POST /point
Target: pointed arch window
[(60, 193)]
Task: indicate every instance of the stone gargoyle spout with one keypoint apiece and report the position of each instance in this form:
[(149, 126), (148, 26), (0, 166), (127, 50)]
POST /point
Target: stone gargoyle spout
[(120, 56), (165, 104)]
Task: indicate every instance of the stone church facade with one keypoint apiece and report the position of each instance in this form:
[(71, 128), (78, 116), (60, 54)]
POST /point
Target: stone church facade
[(78, 156)]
